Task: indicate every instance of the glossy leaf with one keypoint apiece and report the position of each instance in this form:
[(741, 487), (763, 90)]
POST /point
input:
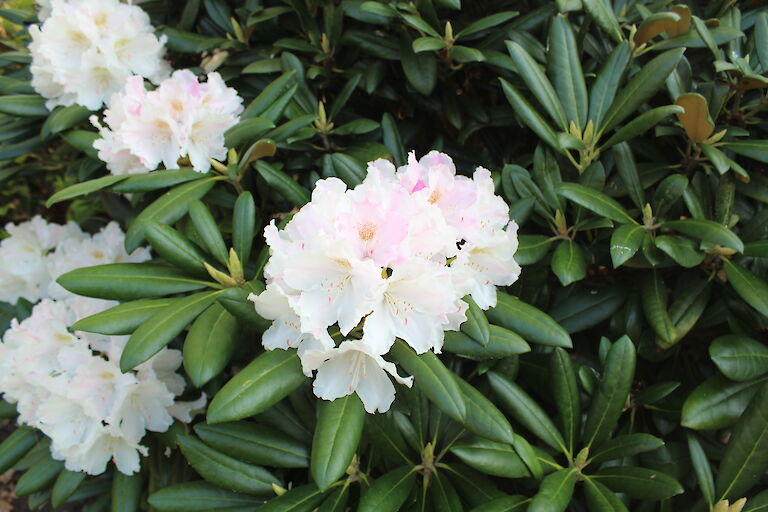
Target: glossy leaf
[(389, 491), (595, 201), (338, 431), (255, 443), (199, 497), (717, 403), (157, 332), (532, 324), (209, 344), (123, 318), (258, 386), (568, 262), (750, 287), (555, 491)]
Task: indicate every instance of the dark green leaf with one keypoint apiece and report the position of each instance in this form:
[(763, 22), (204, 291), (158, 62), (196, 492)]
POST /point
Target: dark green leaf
[(128, 281), (225, 471), (157, 332), (625, 445), (538, 84), (490, 457), (595, 201), (123, 318), (750, 287), (600, 498), (66, 484), (525, 410), (258, 386), (565, 70), (625, 242), (39, 476), (639, 483), (256, 444), (611, 396), (717, 403), (339, 427), (433, 379), (84, 188), (15, 446), (208, 229), (126, 492), (301, 499), (707, 230), (701, 468), (530, 115), (555, 491), (534, 325), (502, 343), (567, 397), (483, 418), (282, 183), (568, 263), (175, 248), (389, 491), (209, 344), (199, 497), (25, 105)]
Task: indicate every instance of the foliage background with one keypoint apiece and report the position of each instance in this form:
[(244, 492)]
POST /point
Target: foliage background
[(639, 328)]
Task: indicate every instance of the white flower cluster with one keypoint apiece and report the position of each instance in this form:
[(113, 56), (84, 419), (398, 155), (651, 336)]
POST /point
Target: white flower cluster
[(44, 7), (69, 385), (181, 118), (85, 50), (37, 253), (398, 252), (92, 412)]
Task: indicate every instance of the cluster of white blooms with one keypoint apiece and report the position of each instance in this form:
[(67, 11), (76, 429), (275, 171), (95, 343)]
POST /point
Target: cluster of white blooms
[(40, 252), (92, 412), (398, 253), (181, 118), (69, 385), (85, 50), (44, 7)]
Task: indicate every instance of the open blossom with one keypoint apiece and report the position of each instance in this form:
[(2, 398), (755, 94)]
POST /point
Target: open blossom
[(392, 258), (181, 118), (40, 252), (85, 50), (69, 385)]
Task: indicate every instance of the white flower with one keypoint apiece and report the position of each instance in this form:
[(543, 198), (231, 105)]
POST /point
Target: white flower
[(181, 118), (356, 367), (85, 50), (391, 258)]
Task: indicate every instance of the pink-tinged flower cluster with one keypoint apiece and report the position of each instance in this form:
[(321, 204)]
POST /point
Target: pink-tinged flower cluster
[(181, 118), (391, 258), (85, 50)]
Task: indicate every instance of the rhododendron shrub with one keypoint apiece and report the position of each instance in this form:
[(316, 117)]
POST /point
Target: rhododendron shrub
[(391, 258), (433, 255)]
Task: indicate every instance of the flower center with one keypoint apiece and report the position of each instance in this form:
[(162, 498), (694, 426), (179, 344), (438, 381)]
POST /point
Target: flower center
[(366, 231)]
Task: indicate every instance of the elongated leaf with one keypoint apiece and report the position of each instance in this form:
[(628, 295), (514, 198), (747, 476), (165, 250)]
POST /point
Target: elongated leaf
[(39, 476), (601, 12), (476, 325), (486, 23), (568, 262), (128, 281), (505, 504), (256, 444), (525, 410), (420, 69), (247, 130), (483, 418), (339, 427), (208, 229), (642, 86), (156, 180), (565, 69), (123, 318), (490, 457), (587, 307), (538, 84), (739, 357), (641, 124), (261, 384), (701, 468), (668, 192), (603, 90), (595, 201), (64, 118), (209, 344), (625, 242), (24, 105), (389, 491), (639, 483), (626, 445), (279, 181), (15, 446), (531, 248), (433, 379), (682, 250), (707, 230), (745, 459), (168, 208), (225, 471), (175, 248), (503, 343), (235, 300), (600, 498), (348, 168), (718, 403), (199, 497), (611, 396), (66, 484), (750, 287), (567, 397), (530, 115), (654, 297), (126, 492), (157, 332), (753, 148), (534, 325), (555, 491), (84, 188), (269, 95), (625, 164)]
